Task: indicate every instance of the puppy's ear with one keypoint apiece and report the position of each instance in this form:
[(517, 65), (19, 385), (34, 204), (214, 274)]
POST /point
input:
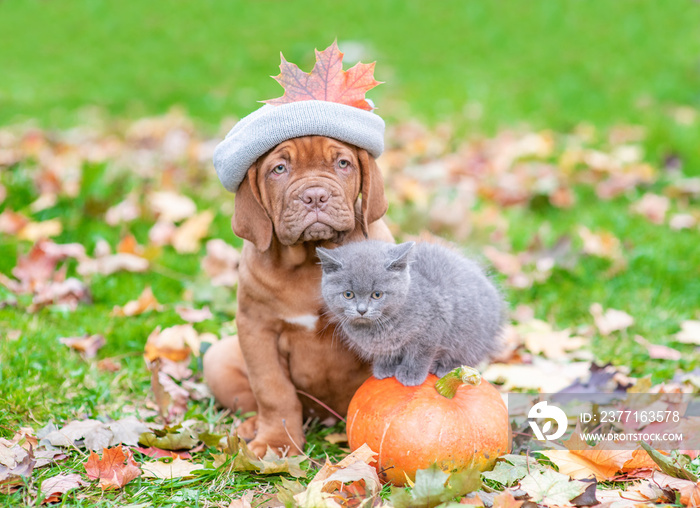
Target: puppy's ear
[(374, 203), (250, 220)]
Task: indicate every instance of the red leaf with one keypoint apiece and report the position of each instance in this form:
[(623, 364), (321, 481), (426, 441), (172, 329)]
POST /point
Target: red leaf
[(327, 81), (114, 469)]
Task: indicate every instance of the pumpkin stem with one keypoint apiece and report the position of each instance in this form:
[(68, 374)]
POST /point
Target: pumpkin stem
[(447, 385)]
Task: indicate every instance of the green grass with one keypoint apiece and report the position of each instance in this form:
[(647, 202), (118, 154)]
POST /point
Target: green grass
[(542, 63)]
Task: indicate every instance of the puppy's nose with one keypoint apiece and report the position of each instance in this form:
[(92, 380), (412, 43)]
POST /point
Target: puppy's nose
[(315, 198)]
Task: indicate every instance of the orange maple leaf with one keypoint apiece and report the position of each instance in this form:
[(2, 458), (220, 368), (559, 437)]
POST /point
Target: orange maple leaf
[(327, 81), (114, 470)]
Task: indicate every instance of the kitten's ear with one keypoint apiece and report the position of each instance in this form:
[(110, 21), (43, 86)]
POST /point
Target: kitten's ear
[(398, 256), (329, 263)]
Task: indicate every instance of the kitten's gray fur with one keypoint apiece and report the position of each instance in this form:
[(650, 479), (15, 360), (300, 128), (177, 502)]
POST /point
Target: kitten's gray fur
[(412, 308)]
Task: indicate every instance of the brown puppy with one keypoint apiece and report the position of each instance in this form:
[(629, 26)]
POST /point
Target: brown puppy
[(306, 192)]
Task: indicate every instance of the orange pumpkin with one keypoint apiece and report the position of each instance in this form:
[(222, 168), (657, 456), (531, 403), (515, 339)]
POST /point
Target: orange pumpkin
[(413, 427)]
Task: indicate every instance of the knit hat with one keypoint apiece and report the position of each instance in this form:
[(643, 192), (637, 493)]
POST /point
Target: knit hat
[(265, 128)]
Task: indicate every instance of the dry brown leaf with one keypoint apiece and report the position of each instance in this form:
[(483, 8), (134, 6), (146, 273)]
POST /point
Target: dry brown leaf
[(221, 263), (175, 468), (506, 500), (173, 343), (144, 303), (70, 293), (170, 206), (690, 491), (539, 337), (690, 332), (611, 320), (658, 351), (579, 467), (125, 211), (111, 263), (194, 315), (88, 345), (653, 207), (543, 375), (11, 222), (680, 221), (109, 365), (35, 231), (242, 502), (53, 488), (188, 236), (170, 398), (114, 469)]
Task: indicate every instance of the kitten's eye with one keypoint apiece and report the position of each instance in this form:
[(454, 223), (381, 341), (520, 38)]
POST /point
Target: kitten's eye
[(349, 295), (377, 295), (343, 164), (279, 169)]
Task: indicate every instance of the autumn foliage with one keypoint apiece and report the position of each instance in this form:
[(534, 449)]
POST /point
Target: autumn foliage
[(327, 81)]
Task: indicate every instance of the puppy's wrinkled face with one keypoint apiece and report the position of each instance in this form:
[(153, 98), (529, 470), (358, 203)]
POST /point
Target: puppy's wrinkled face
[(309, 186)]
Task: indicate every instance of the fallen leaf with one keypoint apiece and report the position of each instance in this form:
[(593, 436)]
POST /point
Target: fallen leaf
[(171, 399), (506, 500), (159, 453), (543, 375), (242, 459), (176, 468), (35, 231), (539, 337), (336, 437), (327, 81), (69, 293), (109, 365), (146, 302), (194, 315), (669, 465), (242, 502), (658, 351), (188, 236), (125, 211), (512, 468), (171, 343), (87, 345), (610, 321), (170, 206), (169, 439), (551, 488), (111, 263), (680, 221), (15, 461), (94, 433), (52, 489), (653, 207), (433, 486), (690, 333), (689, 490), (114, 469), (221, 263)]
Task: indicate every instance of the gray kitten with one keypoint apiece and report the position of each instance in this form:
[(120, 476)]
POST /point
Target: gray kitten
[(412, 308)]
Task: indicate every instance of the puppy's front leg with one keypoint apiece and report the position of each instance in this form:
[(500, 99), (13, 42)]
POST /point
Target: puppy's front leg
[(279, 409)]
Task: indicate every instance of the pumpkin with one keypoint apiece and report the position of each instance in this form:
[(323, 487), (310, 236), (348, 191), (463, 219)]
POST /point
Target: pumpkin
[(456, 422)]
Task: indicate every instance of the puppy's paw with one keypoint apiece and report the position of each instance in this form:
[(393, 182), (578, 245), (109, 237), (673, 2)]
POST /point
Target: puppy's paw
[(282, 447), (248, 428), (410, 377)]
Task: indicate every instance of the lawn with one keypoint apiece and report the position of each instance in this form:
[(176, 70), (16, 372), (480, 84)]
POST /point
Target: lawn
[(555, 141)]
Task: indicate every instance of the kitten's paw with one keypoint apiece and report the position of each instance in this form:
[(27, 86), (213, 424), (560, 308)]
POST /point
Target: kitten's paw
[(383, 371), (408, 377)]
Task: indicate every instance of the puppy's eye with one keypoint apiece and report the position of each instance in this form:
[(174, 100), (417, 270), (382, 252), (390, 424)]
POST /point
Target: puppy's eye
[(377, 295), (343, 164), (279, 169), (349, 295)]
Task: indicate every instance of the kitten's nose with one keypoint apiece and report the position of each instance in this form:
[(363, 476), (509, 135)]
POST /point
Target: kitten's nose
[(315, 198), (361, 310)]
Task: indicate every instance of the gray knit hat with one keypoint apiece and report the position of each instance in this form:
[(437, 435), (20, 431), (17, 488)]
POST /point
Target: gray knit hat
[(268, 126)]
